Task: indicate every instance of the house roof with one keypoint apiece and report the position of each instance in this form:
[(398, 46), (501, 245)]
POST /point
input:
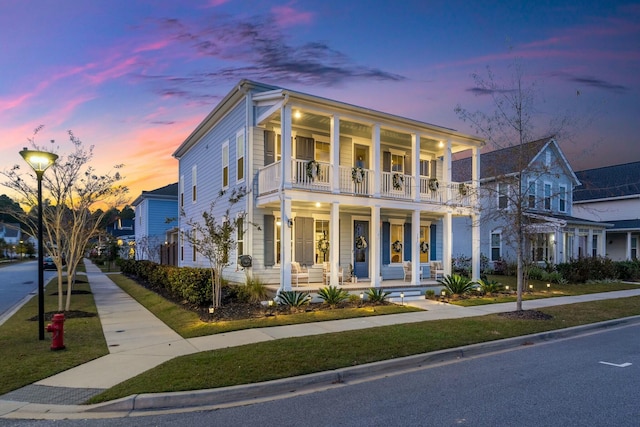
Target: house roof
[(506, 161), (625, 225), (617, 181), (168, 192), (264, 93)]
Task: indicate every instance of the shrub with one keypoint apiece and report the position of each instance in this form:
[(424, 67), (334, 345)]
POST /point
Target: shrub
[(536, 273), (293, 298), (333, 295), (555, 277), (488, 287), (456, 284), (588, 268), (377, 295), (430, 294), (254, 290), (628, 270)]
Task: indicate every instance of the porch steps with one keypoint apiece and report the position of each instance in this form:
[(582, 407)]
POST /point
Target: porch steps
[(409, 295)]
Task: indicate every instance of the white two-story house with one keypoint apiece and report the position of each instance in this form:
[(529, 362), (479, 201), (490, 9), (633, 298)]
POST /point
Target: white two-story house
[(537, 177), (329, 183)]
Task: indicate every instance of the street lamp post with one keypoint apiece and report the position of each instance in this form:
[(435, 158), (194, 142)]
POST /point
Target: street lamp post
[(39, 161)]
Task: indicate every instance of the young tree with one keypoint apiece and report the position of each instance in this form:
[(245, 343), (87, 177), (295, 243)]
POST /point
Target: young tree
[(215, 238), (73, 189), (511, 123)]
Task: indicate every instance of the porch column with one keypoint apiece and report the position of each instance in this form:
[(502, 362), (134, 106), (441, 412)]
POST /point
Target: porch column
[(446, 169), (447, 235), (334, 248), (416, 268), (475, 246), (376, 164), (559, 247), (285, 244), (590, 243), (375, 252), (415, 155), (475, 176), (286, 149), (335, 155), (628, 251), (576, 244)]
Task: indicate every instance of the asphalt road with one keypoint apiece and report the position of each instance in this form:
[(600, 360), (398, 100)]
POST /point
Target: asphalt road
[(17, 281), (592, 380)]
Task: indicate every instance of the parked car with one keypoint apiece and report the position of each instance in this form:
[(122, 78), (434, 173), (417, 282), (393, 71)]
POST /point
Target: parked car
[(48, 263)]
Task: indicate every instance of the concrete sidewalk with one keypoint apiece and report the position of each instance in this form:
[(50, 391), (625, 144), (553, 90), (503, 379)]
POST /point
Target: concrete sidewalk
[(139, 341)]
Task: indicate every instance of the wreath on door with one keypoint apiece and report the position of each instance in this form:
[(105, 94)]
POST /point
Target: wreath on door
[(397, 246), (424, 247), (361, 242), (323, 245)]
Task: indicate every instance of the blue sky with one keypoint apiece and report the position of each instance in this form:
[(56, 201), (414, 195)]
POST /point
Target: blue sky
[(133, 78)]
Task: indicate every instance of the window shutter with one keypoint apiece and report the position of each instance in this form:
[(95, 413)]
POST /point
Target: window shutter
[(304, 148), (432, 245), (269, 147), (407, 241), (303, 240), (386, 161), (407, 166), (386, 243), (269, 256), (434, 168)]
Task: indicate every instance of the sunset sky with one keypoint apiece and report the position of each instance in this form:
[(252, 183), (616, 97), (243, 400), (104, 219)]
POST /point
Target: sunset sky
[(134, 77)]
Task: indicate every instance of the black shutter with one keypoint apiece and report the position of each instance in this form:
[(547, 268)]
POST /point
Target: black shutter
[(269, 147), (305, 148), (407, 165), (269, 243), (407, 241), (386, 243), (433, 168), (386, 161), (432, 245)]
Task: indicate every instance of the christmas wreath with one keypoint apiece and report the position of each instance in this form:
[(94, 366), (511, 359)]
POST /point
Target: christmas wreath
[(397, 246), (357, 175), (361, 242), (434, 184), (462, 189), (313, 170), (424, 247), (323, 245), (398, 181)]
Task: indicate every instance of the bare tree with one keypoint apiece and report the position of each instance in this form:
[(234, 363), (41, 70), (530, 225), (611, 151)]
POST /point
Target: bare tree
[(214, 238), (512, 125), (73, 189)]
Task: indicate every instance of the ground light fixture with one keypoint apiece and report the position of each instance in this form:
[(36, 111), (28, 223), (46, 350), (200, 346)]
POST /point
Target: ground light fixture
[(402, 297), (39, 161)]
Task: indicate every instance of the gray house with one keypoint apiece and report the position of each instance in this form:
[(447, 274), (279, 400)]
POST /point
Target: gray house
[(612, 194), (332, 186), (537, 177)]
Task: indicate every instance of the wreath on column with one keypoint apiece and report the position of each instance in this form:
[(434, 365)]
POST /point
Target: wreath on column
[(313, 170)]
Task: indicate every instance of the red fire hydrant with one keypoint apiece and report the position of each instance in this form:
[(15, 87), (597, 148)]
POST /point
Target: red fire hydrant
[(57, 328)]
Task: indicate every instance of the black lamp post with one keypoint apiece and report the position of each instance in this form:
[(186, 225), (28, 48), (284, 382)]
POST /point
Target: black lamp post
[(39, 161)]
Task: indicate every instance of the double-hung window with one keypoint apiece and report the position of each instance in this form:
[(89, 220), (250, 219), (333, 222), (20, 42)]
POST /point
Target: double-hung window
[(562, 200), (531, 194), (240, 156), (547, 196), (503, 196), (496, 246), (225, 165)]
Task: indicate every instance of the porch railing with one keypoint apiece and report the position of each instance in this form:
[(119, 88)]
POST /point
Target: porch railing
[(318, 177)]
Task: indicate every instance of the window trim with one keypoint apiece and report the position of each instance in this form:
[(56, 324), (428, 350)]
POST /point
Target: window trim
[(500, 195), (562, 198), (240, 156), (194, 183), (532, 185), (499, 247), (225, 165), (547, 199)]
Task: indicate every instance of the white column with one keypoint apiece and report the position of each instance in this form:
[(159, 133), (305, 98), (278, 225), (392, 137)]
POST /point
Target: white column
[(415, 248), (628, 251), (590, 243), (375, 249), (447, 236), (559, 247), (376, 164), (335, 154), (446, 168), (286, 149), (415, 155), (285, 244), (475, 176), (475, 246), (334, 249)]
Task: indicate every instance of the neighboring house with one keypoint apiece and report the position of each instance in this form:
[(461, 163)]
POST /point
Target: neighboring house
[(612, 194), (124, 232), (156, 213), (12, 235), (329, 182), (538, 177)]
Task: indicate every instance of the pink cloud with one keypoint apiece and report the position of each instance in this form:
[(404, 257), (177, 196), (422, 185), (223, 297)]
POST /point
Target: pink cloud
[(287, 16)]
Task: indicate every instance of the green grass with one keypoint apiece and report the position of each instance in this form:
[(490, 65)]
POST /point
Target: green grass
[(298, 356), (188, 324), (540, 290), (26, 359)]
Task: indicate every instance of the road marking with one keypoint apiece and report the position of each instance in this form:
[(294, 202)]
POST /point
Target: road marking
[(623, 365)]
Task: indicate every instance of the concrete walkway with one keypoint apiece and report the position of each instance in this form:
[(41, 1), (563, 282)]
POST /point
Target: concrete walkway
[(139, 341)]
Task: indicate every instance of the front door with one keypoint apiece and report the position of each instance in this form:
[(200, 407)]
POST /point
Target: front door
[(361, 249)]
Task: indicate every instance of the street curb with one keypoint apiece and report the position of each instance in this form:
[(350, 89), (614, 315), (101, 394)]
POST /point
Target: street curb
[(245, 394)]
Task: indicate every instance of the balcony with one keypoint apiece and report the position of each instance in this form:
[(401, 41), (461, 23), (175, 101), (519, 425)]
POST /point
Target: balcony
[(360, 183)]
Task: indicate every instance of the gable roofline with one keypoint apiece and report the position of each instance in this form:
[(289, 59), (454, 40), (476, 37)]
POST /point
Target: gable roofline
[(565, 162), (223, 107), (168, 192)]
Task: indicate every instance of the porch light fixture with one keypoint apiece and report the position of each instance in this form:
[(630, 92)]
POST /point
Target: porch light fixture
[(297, 114), (39, 161), (317, 204), (278, 223)]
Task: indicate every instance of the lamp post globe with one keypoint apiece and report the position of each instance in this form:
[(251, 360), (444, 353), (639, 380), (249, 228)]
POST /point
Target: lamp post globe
[(39, 161)]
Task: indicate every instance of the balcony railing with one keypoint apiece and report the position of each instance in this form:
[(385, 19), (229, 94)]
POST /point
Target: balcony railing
[(360, 183)]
